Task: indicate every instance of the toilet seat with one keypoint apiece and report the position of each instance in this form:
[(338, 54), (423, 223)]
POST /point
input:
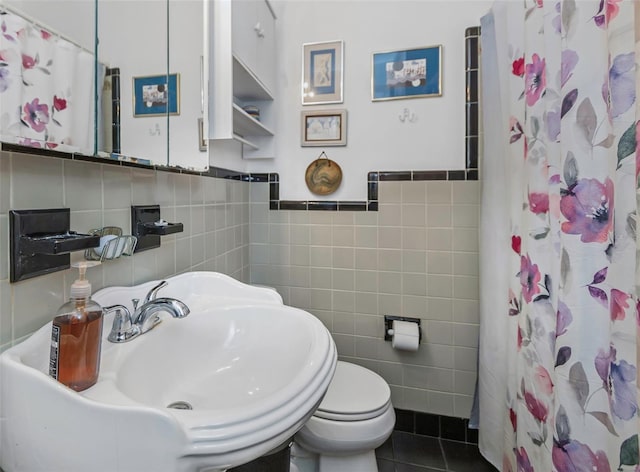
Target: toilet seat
[(355, 394)]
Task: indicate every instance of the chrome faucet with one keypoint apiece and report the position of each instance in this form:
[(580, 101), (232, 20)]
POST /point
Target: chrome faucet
[(145, 318)]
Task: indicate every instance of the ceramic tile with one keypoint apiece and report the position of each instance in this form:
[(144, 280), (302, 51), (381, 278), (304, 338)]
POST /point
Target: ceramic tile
[(414, 261), (342, 236), (414, 284), (366, 259), (344, 301), (413, 215), (143, 187), (368, 325), (390, 282), (6, 319), (366, 236), (438, 192), (413, 192), (464, 457), (414, 238), (413, 449), (390, 215), (439, 216), (389, 238), (4, 247), (366, 281), (343, 258), (35, 301), (389, 304), (36, 182), (390, 259), (5, 182)]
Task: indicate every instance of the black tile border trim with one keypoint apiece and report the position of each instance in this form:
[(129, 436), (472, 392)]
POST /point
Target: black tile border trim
[(437, 426), (470, 173)]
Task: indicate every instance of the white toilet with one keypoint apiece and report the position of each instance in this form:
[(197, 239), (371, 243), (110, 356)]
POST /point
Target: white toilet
[(354, 418)]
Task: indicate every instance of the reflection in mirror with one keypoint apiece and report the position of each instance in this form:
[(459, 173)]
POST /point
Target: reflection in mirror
[(138, 78), (46, 100), (132, 38), (187, 53)]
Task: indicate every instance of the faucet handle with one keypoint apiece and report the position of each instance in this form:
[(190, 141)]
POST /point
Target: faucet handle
[(153, 293), (123, 328), (134, 302)]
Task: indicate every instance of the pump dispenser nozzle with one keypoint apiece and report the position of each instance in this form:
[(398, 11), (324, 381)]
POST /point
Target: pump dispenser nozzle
[(81, 288)]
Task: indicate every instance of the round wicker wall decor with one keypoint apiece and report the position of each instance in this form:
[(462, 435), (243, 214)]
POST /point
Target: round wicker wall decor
[(323, 176)]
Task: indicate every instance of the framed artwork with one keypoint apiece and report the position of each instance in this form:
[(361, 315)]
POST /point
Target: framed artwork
[(409, 73), (156, 94), (322, 66), (324, 128)]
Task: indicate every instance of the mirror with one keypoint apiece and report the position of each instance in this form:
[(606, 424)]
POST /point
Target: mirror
[(160, 62)]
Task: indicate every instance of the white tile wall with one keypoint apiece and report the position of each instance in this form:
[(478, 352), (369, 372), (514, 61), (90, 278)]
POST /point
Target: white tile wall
[(417, 256), (215, 214)]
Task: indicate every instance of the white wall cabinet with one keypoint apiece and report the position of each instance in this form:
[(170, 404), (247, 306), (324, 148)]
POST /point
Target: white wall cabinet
[(242, 73)]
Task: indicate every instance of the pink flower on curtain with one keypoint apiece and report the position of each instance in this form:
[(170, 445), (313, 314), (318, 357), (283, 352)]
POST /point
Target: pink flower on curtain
[(538, 202), (516, 243), (36, 115), (28, 62), (543, 380), (535, 79), (59, 104), (619, 381), (517, 68), (619, 302), (536, 407), (529, 278), (588, 207)]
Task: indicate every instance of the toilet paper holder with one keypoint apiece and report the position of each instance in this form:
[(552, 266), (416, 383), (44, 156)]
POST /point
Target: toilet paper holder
[(388, 325)]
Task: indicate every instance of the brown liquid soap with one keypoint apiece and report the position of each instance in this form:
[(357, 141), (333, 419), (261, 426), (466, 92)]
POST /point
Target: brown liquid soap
[(76, 337)]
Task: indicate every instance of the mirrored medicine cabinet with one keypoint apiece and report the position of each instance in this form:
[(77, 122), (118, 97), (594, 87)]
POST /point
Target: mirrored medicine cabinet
[(146, 59)]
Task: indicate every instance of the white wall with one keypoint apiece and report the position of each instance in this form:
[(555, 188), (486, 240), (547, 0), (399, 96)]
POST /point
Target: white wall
[(376, 138)]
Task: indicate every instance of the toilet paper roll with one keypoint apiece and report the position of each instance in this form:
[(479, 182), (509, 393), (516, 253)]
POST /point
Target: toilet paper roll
[(406, 335)]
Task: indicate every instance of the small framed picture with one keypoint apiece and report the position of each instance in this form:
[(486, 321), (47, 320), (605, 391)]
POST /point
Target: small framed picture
[(322, 66), (155, 95), (409, 73), (324, 128)]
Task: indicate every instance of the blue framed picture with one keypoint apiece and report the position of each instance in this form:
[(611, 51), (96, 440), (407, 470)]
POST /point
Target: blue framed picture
[(156, 95), (322, 66), (409, 73)]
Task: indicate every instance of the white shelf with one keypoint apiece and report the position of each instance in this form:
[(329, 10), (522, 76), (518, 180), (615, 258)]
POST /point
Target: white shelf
[(246, 142), (246, 86), (245, 125)]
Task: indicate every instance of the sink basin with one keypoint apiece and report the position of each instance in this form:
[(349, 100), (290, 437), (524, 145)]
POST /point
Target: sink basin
[(251, 370)]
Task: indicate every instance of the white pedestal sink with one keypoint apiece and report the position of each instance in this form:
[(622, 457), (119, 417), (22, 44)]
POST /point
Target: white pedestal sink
[(252, 369)]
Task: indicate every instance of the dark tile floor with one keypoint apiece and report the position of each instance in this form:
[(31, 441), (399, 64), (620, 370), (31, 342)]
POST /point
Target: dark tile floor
[(408, 452)]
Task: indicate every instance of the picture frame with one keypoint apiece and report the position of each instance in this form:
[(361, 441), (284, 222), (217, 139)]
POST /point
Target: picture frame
[(407, 73), (324, 128), (154, 95), (322, 72)]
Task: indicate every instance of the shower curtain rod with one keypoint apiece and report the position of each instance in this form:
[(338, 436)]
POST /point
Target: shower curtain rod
[(7, 9)]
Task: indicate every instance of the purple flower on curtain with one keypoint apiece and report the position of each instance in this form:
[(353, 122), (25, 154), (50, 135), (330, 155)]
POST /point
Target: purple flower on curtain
[(522, 458), (536, 407), (552, 123), (36, 115), (619, 302), (538, 202), (5, 80), (637, 148), (563, 319), (622, 84), (588, 207), (569, 61), (607, 11), (529, 278), (535, 79), (618, 380), (575, 456)]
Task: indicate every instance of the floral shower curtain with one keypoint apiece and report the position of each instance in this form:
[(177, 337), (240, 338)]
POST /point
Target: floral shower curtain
[(558, 368), (46, 88)]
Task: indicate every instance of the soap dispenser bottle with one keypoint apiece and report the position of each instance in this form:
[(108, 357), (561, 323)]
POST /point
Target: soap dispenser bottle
[(76, 336)]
